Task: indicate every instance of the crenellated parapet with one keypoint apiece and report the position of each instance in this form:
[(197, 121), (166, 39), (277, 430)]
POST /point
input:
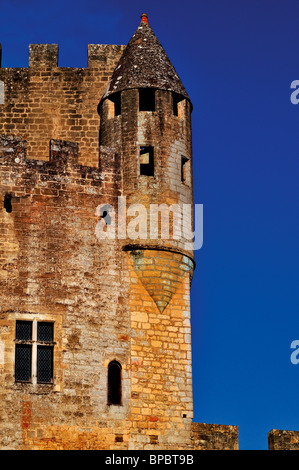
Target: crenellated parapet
[(45, 101), (61, 174), (47, 55)]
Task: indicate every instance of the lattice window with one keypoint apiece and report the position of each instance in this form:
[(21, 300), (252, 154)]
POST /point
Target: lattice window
[(23, 362), (45, 331), (24, 330), (44, 364), (34, 351)]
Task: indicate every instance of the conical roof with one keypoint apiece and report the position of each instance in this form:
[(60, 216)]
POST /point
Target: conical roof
[(144, 64)]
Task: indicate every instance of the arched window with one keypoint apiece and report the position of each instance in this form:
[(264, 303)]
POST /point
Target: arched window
[(114, 383)]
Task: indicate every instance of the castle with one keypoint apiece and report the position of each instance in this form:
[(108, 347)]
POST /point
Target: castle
[(95, 340)]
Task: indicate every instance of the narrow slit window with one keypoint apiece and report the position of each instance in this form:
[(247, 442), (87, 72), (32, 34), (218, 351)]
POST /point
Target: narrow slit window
[(185, 170), (114, 383), (44, 364), (23, 351), (178, 105), (7, 203), (23, 362), (146, 161), (147, 99), (114, 105), (45, 349)]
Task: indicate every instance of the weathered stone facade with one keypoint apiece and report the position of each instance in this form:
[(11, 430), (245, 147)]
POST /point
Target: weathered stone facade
[(66, 150)]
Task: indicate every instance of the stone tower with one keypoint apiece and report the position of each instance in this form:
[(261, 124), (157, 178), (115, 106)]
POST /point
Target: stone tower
[(146, 118), (95, 338)]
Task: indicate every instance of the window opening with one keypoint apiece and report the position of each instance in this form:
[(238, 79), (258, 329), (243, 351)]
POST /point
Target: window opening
[(24, 330), (44, 364), (114, 383), (23, 353), (45, 331), (34, 351), (7, 203), (146, 161), (114, 105), (23, 363), (147, 99), (177, 102), (185, 171)]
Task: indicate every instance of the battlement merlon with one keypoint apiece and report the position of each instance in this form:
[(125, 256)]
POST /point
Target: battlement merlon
[(63, 152), (98, 55), (43, 55), (13, 147)]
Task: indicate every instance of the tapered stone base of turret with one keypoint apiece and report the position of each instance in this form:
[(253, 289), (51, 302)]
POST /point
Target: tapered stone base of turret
[(161, 273)]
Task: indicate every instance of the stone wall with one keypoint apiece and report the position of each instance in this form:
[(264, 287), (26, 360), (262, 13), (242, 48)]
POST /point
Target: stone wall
[(214, 437), (283, 440), (53, 268)]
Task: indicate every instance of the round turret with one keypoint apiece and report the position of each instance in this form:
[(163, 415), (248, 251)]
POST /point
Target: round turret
[(145, 115)]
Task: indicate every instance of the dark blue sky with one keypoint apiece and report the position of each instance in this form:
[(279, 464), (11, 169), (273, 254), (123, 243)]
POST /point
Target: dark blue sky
[(237, 60)]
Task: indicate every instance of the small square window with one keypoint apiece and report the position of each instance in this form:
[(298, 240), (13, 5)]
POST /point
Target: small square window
[(147, 99), (24, 330), (45, 331)]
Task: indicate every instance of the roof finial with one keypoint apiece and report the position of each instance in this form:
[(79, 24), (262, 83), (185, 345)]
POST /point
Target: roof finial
[(144, 18)]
